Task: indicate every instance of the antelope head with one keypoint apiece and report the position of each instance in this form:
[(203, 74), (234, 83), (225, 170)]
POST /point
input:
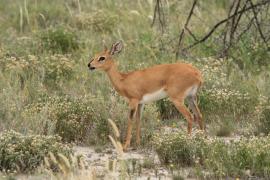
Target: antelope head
[(103, 60)]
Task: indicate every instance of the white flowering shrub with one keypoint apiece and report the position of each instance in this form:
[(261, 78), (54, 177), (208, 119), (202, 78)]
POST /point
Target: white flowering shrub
[(229, 102), (57, 68), (219, 157), (50, 69), (179, 148), (84, 119), (25, 153), (216, 102), (19, 65), (79, 119)]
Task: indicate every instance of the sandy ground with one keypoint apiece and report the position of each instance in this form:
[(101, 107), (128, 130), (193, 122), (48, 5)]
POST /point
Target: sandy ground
[(134, 161)]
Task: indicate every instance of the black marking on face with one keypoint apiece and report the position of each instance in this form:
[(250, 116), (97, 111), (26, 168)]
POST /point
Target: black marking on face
[(102, 58)]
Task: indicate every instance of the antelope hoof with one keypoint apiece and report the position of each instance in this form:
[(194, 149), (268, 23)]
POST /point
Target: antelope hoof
[(138, 143), (125, 147)]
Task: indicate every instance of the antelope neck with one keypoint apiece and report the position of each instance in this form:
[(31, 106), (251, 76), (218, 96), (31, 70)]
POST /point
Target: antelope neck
[(115, 76)]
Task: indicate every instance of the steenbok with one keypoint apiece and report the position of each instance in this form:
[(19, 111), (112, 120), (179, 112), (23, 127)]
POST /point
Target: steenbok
[(177, 81)]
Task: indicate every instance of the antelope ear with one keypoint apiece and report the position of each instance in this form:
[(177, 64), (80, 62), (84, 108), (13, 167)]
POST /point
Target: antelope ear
[(104, 45), (116, 47)]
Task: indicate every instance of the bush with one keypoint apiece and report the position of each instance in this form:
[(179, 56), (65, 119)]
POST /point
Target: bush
[(80, 119), (225, 128), (227, 103), (99, 21), (179, 148), (166, 109), (84, 119), (20, 65), (24, 153), (264, 125), (216, 102), (51, 70), (57, 68), (251, 56), (59, 40), (219, 157)]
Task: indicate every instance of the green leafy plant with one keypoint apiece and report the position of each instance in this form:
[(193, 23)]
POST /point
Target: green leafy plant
[(59, 40), (166, 109), (264, 121)]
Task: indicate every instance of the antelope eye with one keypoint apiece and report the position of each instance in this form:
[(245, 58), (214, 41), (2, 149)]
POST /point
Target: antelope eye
[(101, 58)]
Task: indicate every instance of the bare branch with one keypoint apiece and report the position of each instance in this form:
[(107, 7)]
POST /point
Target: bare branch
[(192, 35), (160, 13), (227, 24), (246, 29), (257, 23), (234, 25), (223, 21), (182, 34)]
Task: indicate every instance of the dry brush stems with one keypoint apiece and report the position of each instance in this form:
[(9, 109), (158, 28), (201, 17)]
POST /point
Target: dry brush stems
[(160, 13), (235, 17), (181, 36)]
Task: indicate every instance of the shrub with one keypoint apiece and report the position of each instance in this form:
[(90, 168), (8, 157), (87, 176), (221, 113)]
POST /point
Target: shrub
[(99, 21), (218, 157), (216, 102), (57, 68), (251, 56), (264, 124), (251, 154), (25, 153), (84, 119), (19, 65), (59, 40), (220, 101), (74, 119), (166, 109), (50, 69), (178, 148), (225, 128)]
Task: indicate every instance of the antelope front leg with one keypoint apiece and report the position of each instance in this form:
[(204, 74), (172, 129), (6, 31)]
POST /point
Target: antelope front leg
[(129, 129), (133, 109)]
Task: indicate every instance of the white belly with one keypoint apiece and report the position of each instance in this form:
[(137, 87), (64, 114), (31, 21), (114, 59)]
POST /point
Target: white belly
[(147, 98)]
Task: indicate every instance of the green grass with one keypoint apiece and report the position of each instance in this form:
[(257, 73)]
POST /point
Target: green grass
[(46, 46)]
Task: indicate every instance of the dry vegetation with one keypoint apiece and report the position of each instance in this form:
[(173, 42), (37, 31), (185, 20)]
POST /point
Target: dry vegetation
[(51, 102)]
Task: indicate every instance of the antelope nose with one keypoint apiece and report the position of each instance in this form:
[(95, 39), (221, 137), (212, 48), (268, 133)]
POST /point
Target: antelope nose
[(90, 67)]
